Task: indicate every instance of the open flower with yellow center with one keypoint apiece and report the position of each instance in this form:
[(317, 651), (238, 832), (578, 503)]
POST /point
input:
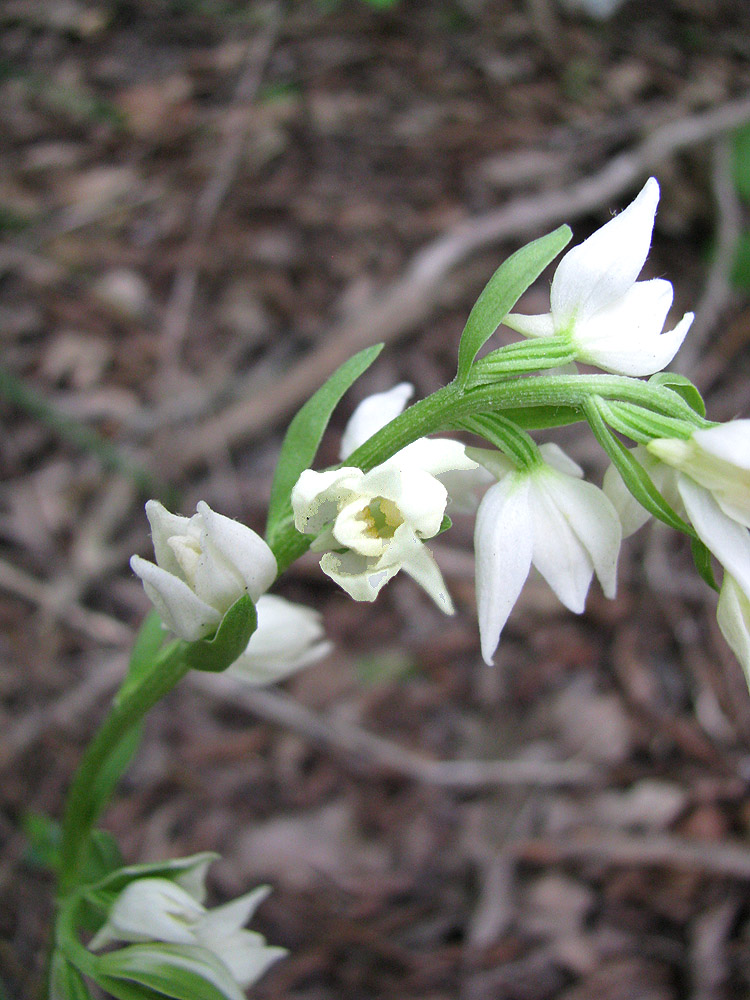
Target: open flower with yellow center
[(370, 525)]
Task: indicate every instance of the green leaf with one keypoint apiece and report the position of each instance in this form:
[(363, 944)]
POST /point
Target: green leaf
[(121, 989), (702, 560), (503, 290), (306, 431), (103, 858), (183, 972), (65, 981), (634, 475), (537, 418), (175, 868), (683, 387), (230, 641)]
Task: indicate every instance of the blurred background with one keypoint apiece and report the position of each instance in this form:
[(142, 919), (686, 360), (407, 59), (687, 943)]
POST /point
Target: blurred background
[(206, 206)]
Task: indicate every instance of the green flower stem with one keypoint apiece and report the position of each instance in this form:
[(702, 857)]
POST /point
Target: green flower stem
[(81, 806), (521, 358), (445, 409)]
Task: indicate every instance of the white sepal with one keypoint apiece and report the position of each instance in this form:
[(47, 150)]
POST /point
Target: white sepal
[(612, 321), (733, 616), (203, 565), (288, 637)]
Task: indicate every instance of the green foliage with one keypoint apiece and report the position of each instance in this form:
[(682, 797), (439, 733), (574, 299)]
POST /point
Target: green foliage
[(503, 290), (230, 641), (182, 972), (634, 475), (683, 387), (306, 431), (66, 982)]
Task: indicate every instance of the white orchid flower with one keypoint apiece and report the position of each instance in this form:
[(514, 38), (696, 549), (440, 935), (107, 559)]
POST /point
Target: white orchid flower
[(733, 616), (547, 516), (288, 637), (718, 459), (160, 910), (612, 321), (203, 565), (712, 475), (371, 525)]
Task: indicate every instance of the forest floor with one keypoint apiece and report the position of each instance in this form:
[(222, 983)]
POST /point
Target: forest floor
[(207, 205)]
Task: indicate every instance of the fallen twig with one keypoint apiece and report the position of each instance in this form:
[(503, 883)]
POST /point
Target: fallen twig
[(180, 302), (370, 751), (392, 311), (723, 859)]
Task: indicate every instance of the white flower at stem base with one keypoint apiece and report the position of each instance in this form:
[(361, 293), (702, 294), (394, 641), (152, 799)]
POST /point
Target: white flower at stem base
[(203, 565), (288, 637), (733, 616), (613, 321), (371, 525), (547, 516), (160, 910)]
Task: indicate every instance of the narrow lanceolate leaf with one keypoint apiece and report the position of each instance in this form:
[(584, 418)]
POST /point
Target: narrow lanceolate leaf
[(65, 981), (683, 387), (182, 972), (306, 431), (702, 560), (503, 290), (178, 869), (633, 474), (230, 641)]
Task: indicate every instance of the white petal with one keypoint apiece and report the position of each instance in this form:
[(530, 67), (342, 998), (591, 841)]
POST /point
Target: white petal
[(631, 514), (729, 442), (626, 339), (599, 271), (361, 578), (231, 916), (179, 608), (193, 878), (554, 456), (531, 326), (494, 461), (242, 548), (433, 455), (289, 637), (595, 524), (354, 529), (163, 526), (729, 541), (372, 414), (248, 958), (419, 496), (503, 541), (417, 560), (151, 909), (465, 489), (558, 553), (316, 496), (733, 616)]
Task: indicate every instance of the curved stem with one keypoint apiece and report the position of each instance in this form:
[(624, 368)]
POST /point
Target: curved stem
[(444, 409), (82, 806)]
